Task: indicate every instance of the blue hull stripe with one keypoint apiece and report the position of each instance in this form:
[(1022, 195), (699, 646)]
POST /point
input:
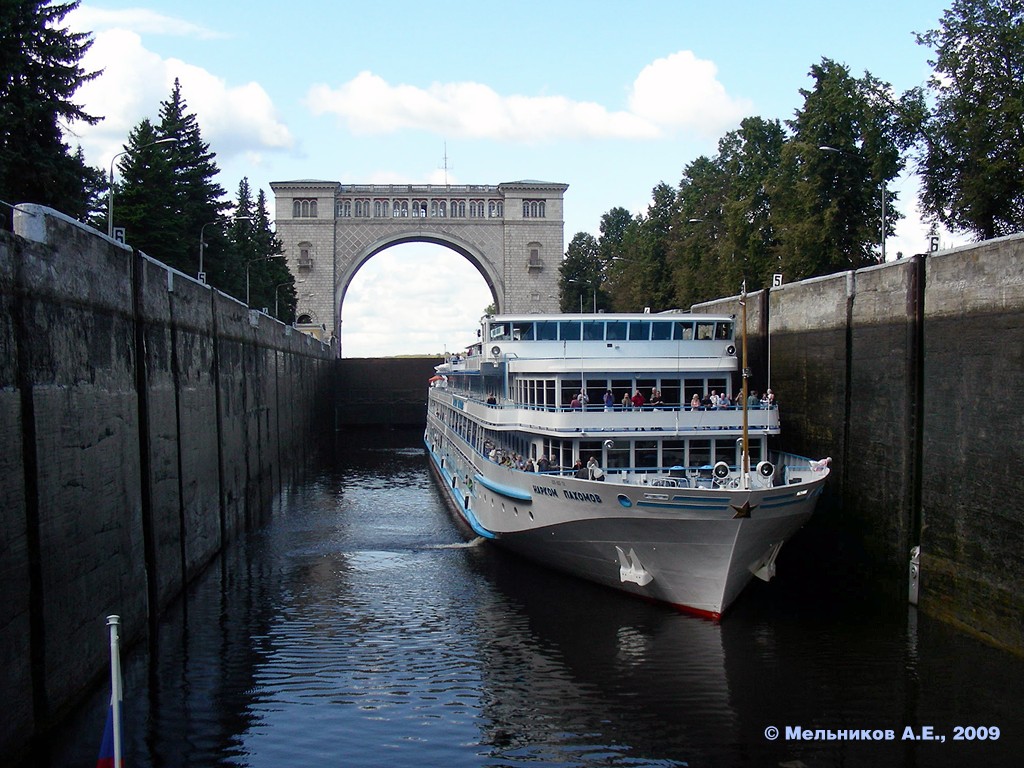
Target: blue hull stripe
[(505, 490), (676, 505), (460, 500)]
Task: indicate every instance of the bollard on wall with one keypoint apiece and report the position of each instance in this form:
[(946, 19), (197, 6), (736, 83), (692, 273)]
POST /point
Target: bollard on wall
[(915, 573)]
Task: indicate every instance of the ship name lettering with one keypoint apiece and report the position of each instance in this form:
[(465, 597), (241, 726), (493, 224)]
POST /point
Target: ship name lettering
[(542, 491), (593, 498)]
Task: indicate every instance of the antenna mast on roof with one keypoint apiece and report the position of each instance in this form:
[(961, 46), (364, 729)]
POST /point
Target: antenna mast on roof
[(445, 166)]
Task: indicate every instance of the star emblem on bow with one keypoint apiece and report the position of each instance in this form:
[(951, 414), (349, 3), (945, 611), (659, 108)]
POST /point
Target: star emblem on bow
[(743, 510)]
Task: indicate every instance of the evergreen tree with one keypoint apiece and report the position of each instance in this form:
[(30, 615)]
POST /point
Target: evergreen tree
[(267, 243), (657, 229), (581, 275), (255, 257), (972, 158), (94, 193), (199, 198), (168, 199), (145, 199), (39, 74)]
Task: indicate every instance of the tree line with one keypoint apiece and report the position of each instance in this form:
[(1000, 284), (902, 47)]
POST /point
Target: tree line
[(810, 196), (161, 188)]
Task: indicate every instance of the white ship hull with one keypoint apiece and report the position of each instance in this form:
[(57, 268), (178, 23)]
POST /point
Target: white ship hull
[(695, 549)]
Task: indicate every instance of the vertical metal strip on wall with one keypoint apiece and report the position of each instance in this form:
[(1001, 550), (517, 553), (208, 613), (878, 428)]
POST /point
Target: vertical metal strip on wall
[(145, 447), (30, 463)]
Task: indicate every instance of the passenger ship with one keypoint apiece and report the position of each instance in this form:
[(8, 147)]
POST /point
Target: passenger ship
[(666, 497)]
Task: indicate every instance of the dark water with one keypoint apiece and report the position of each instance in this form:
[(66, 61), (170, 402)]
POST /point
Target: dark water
[(359, 629)]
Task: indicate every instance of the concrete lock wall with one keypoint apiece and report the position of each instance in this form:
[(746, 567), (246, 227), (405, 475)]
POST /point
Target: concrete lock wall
[(148, 421), (972, 520), (907, 374), (385, 392)]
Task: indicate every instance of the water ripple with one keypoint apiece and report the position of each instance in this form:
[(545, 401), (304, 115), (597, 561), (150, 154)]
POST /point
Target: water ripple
[(360, 629)]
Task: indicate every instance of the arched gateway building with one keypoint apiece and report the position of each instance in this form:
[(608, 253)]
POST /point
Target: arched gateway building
[(511, 232)]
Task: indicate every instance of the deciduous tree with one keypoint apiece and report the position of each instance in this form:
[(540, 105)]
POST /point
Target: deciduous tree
[(834, 172), (972, 139)]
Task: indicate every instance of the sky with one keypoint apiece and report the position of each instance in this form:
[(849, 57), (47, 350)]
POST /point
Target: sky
[(611, 98)]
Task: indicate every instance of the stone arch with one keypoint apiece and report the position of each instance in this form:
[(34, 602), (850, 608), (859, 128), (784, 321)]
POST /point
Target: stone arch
[(512, 233), (473, 255)]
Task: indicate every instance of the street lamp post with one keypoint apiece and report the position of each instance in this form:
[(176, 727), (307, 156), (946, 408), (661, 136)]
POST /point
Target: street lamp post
[(202, 243), (110, 189), (277, 288), (589, 285), (249, 264)]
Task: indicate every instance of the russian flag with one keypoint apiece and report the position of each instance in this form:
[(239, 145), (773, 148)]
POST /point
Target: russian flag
[(110, 748), (106, 758)]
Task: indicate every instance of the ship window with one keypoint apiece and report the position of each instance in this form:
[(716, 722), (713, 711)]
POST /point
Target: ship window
[(590, 448), (615, 331), (570, 388), (621, 387), (639, 330), (717, 385), (618, 455), (755, 449), (700, 453), (569, 330), (593, 330), (661, 331), (546, 330), (705, 330), (522, 331), (684, 331), (499, 332), (693, 387), (646, 452), (670, 391), (723, 331), (673, 453), (725, 450)]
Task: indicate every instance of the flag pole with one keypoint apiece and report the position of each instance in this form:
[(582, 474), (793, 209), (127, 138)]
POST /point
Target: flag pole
[(745, 468), (115, 686)]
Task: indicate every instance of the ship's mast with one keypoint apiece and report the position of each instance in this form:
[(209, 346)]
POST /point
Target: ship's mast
[(746, 375)]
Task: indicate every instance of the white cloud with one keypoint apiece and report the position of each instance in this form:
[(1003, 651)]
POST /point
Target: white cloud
[(680, 92), (370, 105), (142, 20), (235, 119)]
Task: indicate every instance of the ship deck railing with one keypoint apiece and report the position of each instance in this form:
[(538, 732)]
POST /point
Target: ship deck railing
[(788, 468), (596, 420)]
